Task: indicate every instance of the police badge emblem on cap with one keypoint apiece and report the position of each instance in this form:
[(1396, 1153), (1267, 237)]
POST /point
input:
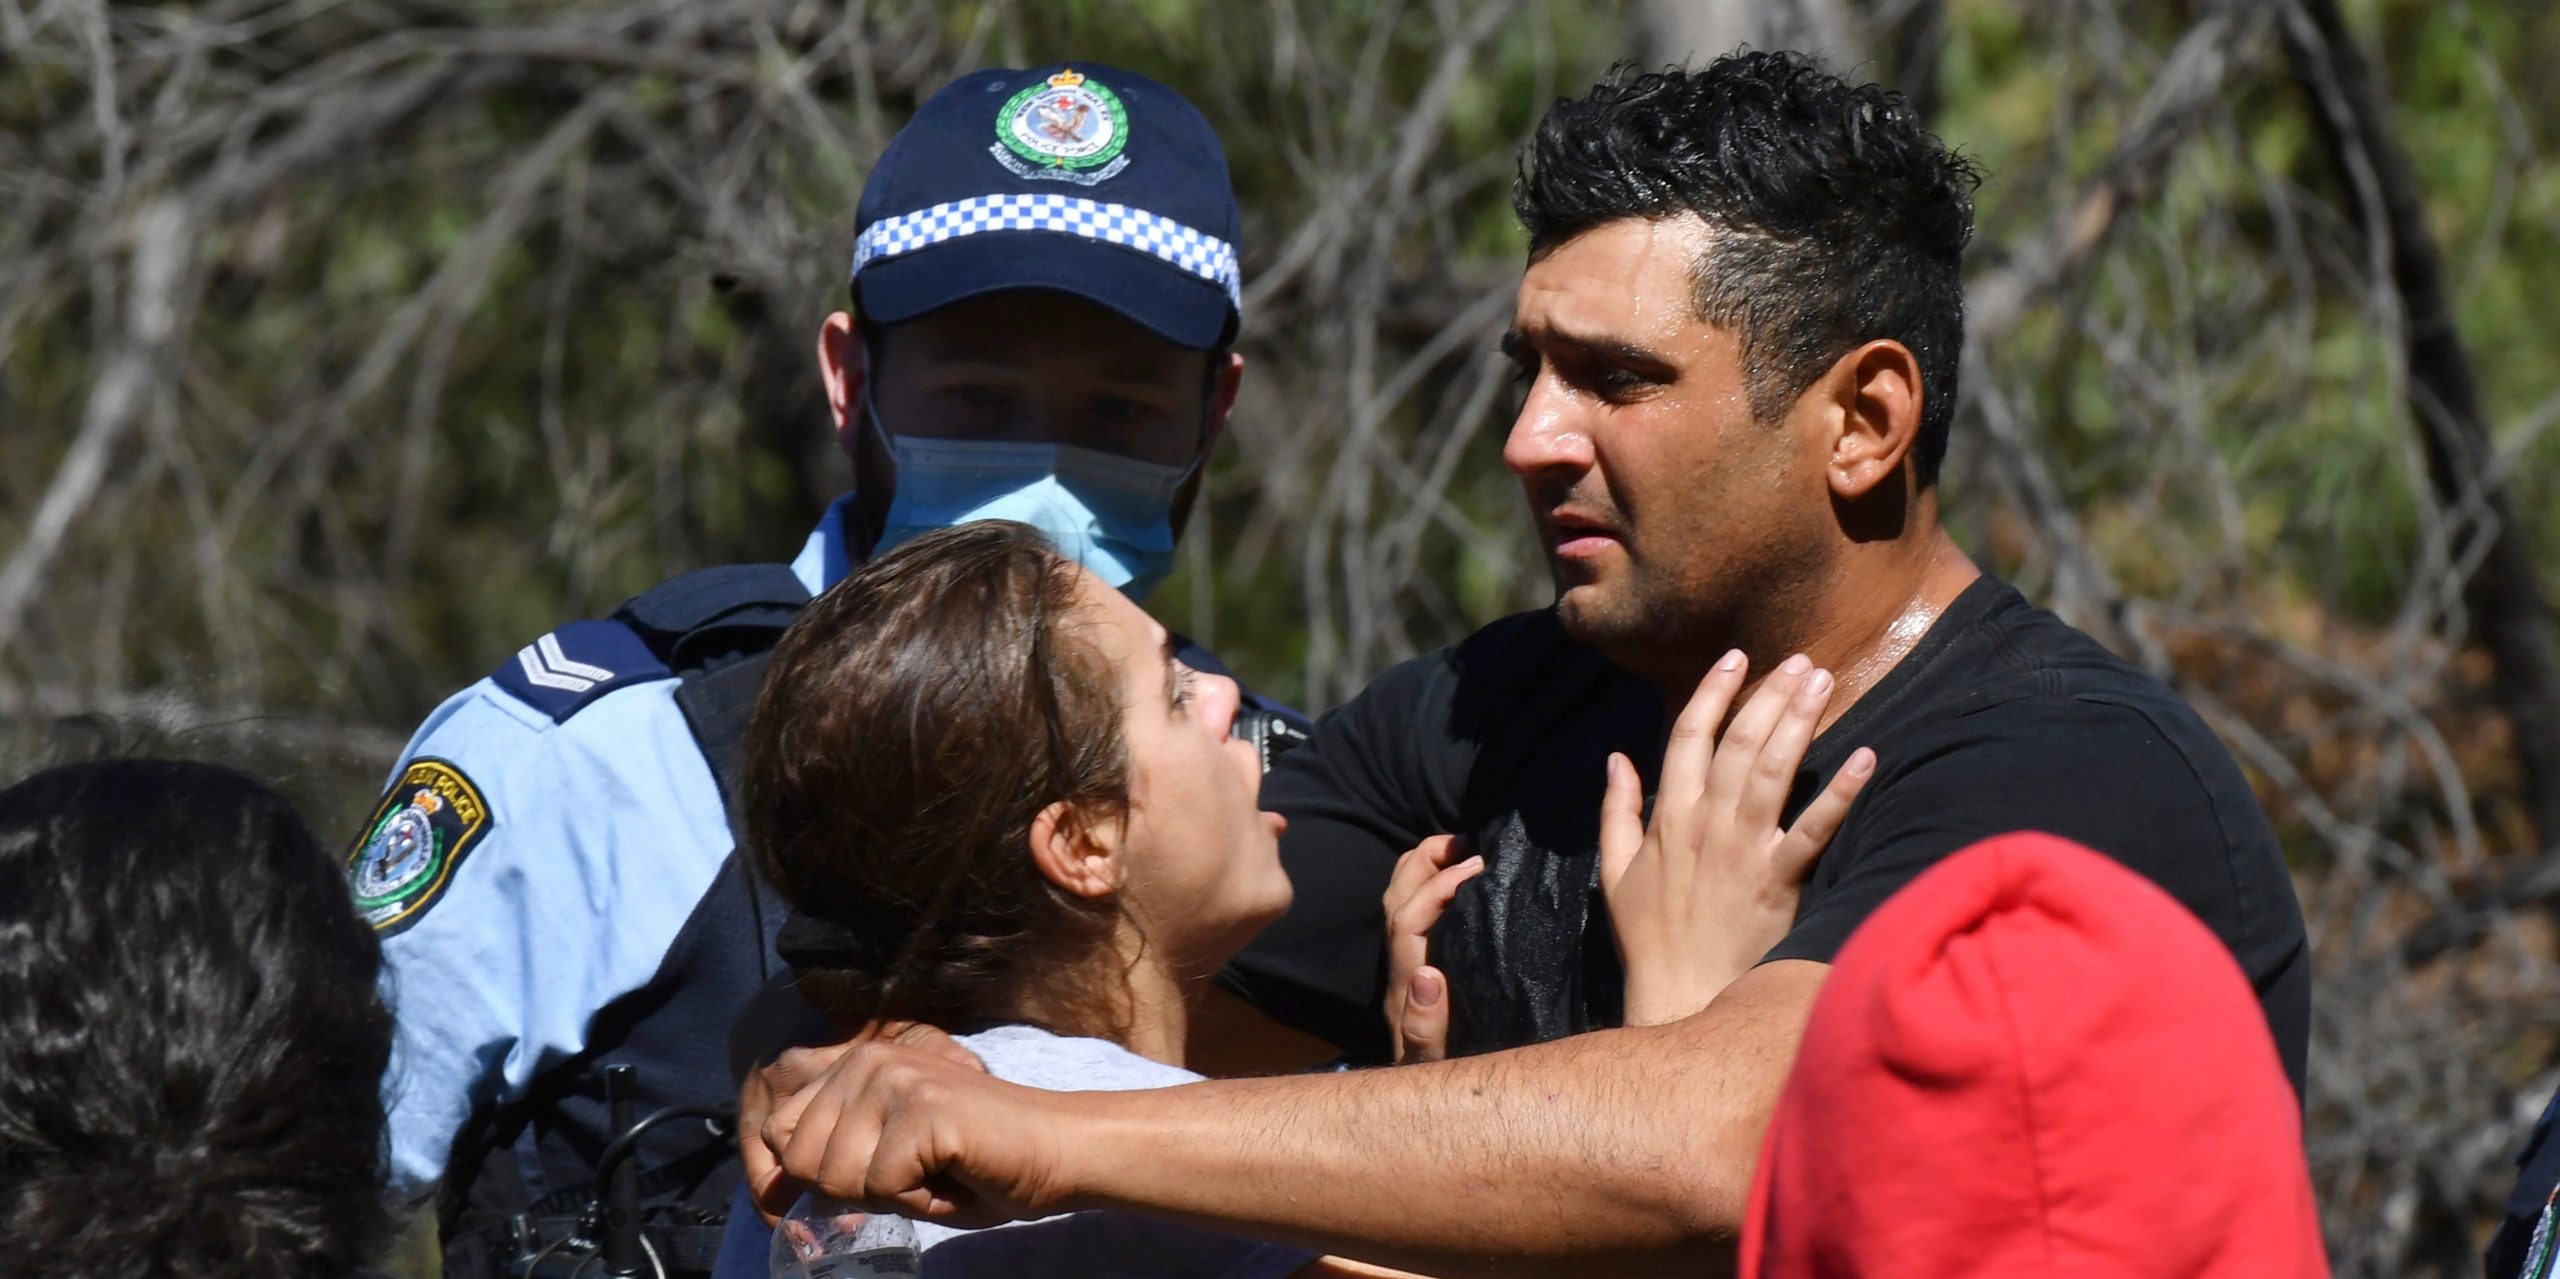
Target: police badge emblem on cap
[(1069, 128)]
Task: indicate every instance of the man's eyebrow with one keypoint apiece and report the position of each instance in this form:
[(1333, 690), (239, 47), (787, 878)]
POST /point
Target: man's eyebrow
[(1616, 351), (1524, 346)]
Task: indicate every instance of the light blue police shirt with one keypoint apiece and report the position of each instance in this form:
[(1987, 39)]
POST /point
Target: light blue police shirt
[(525, 871)]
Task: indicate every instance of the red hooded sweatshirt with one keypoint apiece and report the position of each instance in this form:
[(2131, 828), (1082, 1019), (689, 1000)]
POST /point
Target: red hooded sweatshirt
[(2032, 1061)]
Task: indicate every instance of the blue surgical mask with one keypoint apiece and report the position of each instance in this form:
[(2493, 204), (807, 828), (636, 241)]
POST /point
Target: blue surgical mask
[(1112, 514)]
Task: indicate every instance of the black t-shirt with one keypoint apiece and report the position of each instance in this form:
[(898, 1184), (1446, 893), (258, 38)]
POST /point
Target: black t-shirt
[(2001, 719)]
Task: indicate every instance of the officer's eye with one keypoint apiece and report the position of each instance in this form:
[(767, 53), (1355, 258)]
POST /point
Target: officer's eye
[(1120, 410), (980, 401), (1181, 698)]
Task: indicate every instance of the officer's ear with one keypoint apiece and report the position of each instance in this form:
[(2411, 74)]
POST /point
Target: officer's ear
[(1226, 375), (1075, 853), (844, 365)]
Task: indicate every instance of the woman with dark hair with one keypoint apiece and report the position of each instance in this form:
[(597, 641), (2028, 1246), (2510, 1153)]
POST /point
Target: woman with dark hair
[(999, 806), (191, 1045)]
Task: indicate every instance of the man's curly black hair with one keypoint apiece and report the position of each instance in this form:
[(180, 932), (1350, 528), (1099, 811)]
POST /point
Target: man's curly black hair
[(191, 1043), (1837, 219)]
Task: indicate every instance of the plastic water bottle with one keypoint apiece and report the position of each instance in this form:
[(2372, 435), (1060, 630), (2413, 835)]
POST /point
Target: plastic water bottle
[(826, 1238)]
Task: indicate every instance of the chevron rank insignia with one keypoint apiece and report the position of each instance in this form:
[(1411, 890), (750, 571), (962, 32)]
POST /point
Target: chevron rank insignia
[(565, 670)]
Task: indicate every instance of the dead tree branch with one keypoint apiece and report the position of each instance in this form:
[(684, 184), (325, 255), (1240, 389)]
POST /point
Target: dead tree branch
[(2509, 610)]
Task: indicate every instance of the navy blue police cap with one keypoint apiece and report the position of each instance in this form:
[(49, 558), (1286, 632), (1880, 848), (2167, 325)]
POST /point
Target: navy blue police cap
[(1076, 177)]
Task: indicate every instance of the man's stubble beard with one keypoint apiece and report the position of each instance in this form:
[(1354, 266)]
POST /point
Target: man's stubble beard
[(1757, 600)]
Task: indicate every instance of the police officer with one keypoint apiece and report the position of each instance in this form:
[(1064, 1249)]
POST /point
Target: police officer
[(1045, 290)]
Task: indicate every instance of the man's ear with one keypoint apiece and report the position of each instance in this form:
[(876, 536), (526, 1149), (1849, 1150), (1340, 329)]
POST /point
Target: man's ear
[(1876, 394), (844, 365), (1077, 855)]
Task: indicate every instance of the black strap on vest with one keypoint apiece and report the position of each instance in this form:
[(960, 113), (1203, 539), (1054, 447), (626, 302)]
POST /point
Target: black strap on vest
[(715, 628), (712, 617)]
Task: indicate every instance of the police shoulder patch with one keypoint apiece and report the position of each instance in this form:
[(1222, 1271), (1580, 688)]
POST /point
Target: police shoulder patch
[(414, 842)]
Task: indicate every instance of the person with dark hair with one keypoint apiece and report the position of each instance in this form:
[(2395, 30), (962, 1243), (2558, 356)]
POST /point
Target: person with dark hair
[(191, 1043), (998, 803), (1044, 295), (1737, 340)]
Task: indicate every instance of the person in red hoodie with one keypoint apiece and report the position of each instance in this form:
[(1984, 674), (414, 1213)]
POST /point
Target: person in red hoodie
[(2031, 1061)]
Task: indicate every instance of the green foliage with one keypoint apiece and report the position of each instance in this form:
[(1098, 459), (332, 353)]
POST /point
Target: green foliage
[(2279, 358), (499, 351)]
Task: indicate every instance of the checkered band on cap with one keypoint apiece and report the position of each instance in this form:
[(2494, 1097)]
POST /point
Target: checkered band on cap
[(1197, 252)]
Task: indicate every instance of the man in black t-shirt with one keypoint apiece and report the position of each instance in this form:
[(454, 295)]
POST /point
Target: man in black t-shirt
[(2001, 718), (1738, 337)]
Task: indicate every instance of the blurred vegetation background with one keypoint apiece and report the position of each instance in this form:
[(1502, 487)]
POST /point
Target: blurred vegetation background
[(346, 345)]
